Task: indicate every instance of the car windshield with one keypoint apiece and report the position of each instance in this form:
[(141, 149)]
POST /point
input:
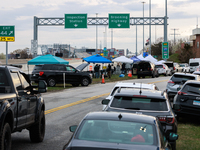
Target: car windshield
[(192, 88), (137, 103), (159, 66), (37, 67), (194, 64), (144, 66), (180, 78), (117, 132), (182, 65)]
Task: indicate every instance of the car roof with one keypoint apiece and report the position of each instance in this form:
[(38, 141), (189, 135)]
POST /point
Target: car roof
[(135, 85), (141, 93), (117, 116), (192, 81), (185, 74)]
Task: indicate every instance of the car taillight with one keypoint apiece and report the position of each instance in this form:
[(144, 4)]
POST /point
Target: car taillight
[(151, 69), (174, 68), (163, 67), (181, 93), (41, 73), (167, 119), (171, 82)]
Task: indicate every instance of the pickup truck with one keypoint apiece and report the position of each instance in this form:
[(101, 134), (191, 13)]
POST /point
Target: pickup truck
[(21, 106)]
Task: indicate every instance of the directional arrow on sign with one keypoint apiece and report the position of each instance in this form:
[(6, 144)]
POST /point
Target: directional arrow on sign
[(75, 25), (119, 25), (11, 32)]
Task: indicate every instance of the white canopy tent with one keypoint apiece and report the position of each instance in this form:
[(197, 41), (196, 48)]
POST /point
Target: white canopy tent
[(122, 59), (151, 59), (140, 57)]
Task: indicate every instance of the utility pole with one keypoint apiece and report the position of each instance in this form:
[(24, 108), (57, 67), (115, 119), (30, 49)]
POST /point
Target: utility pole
[(143, 28), (174, 35), (96, 34)]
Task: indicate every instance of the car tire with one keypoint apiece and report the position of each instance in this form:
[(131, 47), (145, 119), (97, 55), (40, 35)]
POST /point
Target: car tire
[(37, 131), (143, 76), (85, 81), (51, 82), (153, 76), (5, 137), (138, 77)]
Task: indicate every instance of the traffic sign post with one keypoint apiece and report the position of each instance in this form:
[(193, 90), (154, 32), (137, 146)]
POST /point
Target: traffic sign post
[(75, 21), (165, 50), (119, 20), (7, 34)]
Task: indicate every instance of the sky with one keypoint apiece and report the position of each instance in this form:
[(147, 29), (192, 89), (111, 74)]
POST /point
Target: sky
[(183, 17)]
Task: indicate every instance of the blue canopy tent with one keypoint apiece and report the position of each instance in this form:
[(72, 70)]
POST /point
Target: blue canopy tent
[(135, 59), (47, 59), (96, 59)]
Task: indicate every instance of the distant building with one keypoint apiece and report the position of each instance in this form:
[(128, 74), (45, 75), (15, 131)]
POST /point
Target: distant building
[(195, 38)]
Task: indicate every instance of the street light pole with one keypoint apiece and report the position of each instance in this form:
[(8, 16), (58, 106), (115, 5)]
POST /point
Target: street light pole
[(143, 28), (96, 35)]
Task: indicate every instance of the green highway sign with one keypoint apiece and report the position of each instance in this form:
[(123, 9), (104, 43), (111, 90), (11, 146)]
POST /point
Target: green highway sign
[(7, 33), (75, 21), (119, 21), (165, 50)]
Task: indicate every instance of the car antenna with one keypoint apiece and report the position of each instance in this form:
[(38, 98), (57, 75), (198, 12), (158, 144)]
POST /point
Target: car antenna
[(140, 89), (120, 116)]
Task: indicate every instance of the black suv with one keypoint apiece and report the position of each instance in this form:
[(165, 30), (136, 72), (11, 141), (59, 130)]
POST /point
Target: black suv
[(58, 73), (187, 100), (146, 68), (148, 102)]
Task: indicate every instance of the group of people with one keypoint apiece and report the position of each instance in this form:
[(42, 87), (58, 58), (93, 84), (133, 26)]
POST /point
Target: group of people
[(110, 70)]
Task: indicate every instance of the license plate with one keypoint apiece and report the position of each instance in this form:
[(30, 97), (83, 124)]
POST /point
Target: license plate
[(196, 103)]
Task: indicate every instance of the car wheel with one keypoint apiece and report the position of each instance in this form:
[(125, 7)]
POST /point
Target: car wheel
[(5, 137), (51, 82), (138, 77), (143, 76), (37, 131), (85, 81), (153, 76)]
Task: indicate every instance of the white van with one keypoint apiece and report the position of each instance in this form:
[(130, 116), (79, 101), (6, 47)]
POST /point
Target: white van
[(194, 64)]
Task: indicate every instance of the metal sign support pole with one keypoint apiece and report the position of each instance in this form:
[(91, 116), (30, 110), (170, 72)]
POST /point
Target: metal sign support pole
[(6, 53)]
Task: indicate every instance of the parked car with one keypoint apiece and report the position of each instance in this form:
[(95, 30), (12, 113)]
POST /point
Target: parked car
[(178, 68), (194, 64), (177, 80), (163, 70), (185, 67), (187, 100), (58, 73), (170, 65), (146, 68), (148, 102), (130, 85), (114, 130)]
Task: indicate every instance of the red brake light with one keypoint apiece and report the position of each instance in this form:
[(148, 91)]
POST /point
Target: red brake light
[(181, 93), (167, 119), (163, 67), (139, 95), (151, 69), (174, 68), (170, 81), (41, 73)]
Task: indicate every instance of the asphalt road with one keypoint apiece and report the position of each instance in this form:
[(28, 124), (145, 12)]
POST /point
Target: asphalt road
[(68, 107)]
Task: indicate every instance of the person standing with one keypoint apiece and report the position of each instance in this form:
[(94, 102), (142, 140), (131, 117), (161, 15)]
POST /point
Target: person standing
[(123, 68), (96, 70), (109, 71)]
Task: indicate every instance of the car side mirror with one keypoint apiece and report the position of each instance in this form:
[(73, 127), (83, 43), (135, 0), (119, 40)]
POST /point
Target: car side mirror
[(105, 101), (42, 86), (173, 136), (72, 128)]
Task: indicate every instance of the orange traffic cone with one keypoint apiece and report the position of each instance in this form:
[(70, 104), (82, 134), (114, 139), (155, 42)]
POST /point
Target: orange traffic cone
[(129, 74), (103, 81)]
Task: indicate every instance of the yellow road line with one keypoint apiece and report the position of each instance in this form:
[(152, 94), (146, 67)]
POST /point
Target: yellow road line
[(74, 103), (85, 100)]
